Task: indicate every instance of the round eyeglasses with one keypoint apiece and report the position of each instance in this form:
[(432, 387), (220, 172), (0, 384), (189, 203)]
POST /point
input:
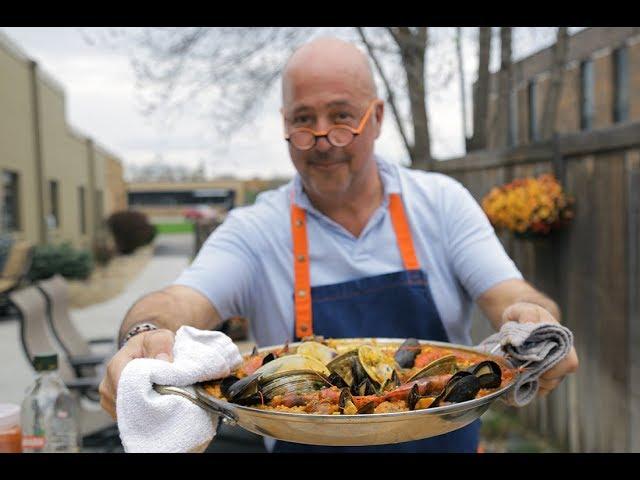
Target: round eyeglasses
[(337, 135)]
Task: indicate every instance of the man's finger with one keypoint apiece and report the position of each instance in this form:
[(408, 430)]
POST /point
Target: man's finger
[(567, 365), (549, 384), (158, 344)]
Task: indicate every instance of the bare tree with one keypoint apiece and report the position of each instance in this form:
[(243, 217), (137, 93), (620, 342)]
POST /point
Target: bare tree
[(500, 123), (463, 92), (481, 95), (411, 44), (227, 72), (224, 71), (552, 100)]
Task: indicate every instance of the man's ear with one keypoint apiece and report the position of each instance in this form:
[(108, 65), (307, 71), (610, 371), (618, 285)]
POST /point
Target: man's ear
[(379, 116)]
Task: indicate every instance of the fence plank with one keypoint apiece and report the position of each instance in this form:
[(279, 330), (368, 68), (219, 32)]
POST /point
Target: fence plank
[(611, 290), (633, 245), (592, 271)]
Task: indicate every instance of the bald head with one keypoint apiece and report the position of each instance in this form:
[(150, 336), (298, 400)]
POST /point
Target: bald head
[(331, 61)]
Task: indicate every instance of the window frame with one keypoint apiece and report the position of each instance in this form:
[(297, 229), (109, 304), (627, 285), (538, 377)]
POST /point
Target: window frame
[(620, 104), (587, 94), (15, 204)]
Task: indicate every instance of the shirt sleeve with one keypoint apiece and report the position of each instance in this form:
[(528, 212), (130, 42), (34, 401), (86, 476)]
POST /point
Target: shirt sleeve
[(477, 256), (224, 269)]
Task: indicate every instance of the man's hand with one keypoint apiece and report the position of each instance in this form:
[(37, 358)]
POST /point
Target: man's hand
[(523, 312), (153, 344)]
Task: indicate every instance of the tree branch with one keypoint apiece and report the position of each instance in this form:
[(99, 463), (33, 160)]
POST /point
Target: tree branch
[(390, 97)]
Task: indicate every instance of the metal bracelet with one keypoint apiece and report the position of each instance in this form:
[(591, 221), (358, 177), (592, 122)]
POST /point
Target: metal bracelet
[(136, 329)]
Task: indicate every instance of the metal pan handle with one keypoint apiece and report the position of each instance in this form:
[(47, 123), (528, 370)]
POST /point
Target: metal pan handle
[(190, 395)]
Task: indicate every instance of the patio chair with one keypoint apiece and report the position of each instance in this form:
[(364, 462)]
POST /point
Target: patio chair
[(16, 266), (76, 347), (35, 338)]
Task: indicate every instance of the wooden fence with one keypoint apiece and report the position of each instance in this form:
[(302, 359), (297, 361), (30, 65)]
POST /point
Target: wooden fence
[(592, 270)]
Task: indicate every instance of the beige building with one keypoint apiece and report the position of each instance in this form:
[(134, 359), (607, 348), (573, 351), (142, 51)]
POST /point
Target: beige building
[(57, 184), (164, 200), (601, 85)]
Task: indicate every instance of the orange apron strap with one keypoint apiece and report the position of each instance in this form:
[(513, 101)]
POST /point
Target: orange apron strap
[(302, 282), (302, 277), (403, 232)]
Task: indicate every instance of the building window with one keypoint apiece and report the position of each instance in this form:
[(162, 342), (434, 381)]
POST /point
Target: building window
[(620, 59), (99, 206), (586, 95), (10, 210), (533, 111), (83, 211), (513, 118), (53, 219)]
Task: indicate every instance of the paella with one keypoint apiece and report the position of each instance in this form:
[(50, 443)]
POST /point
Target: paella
[(360, 377)]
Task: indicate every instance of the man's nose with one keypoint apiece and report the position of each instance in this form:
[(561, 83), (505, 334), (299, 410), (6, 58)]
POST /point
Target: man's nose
[(322, 144)]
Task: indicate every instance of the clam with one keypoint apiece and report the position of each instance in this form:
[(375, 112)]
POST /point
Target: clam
[(248, 386), (379, 366), (441, 366), (318, 351), (292, 381)]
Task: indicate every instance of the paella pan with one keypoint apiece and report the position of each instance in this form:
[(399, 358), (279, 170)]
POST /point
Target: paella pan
[(360, 391)]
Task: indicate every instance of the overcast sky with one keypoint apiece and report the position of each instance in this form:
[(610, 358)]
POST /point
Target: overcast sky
[(101, 102)]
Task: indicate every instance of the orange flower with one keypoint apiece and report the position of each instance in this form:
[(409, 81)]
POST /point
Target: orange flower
[(528, 204)]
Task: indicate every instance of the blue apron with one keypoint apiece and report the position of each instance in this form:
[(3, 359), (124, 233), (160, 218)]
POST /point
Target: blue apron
[(395, 305)]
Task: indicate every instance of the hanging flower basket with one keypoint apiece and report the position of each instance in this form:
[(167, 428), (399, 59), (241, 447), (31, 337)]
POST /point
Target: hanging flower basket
[(531, 208)]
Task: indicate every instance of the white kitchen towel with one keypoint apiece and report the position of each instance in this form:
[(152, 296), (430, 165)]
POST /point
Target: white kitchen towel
[(151, 422), (535, 347)]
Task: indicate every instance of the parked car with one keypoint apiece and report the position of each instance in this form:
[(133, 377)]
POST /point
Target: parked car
[(200, 212)]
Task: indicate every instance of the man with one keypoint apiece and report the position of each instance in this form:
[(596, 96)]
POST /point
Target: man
[(353, 246)]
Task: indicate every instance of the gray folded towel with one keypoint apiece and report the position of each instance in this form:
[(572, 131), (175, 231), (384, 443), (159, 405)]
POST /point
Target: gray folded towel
[(536, 346)]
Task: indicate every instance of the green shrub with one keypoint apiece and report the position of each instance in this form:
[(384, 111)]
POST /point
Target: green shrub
[(6, 241), (63, 259), (103, 252), (130, 229)]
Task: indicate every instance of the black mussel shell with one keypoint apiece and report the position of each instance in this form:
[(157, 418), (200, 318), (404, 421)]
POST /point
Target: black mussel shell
[(337, 381), (226, 382), (367, 408), (245, 387), (466, 388), (488, 373), (455, 378), (269, 357), (406, 354), (414, 396), (344, 399), (365, 387)]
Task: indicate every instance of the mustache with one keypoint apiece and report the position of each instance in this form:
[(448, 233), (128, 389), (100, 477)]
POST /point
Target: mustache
[(327, 157)]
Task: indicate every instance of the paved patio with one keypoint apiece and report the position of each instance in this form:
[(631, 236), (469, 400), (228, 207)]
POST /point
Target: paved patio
[(171, 255)]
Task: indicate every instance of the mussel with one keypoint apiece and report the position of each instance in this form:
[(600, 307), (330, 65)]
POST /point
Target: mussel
[(407, 352), (346, 406), (348, 368), (462, 386), (488, 373)]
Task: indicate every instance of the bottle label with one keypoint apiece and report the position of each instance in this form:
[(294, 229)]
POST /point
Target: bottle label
[(33, 442)]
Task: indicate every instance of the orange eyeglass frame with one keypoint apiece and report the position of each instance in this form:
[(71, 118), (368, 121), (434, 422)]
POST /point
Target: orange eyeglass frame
[(354, 131)]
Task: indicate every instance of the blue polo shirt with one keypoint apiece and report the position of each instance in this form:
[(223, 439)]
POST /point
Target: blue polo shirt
[(245, 267)]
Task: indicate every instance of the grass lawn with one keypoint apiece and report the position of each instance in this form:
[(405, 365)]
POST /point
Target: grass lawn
[(180, 227)]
